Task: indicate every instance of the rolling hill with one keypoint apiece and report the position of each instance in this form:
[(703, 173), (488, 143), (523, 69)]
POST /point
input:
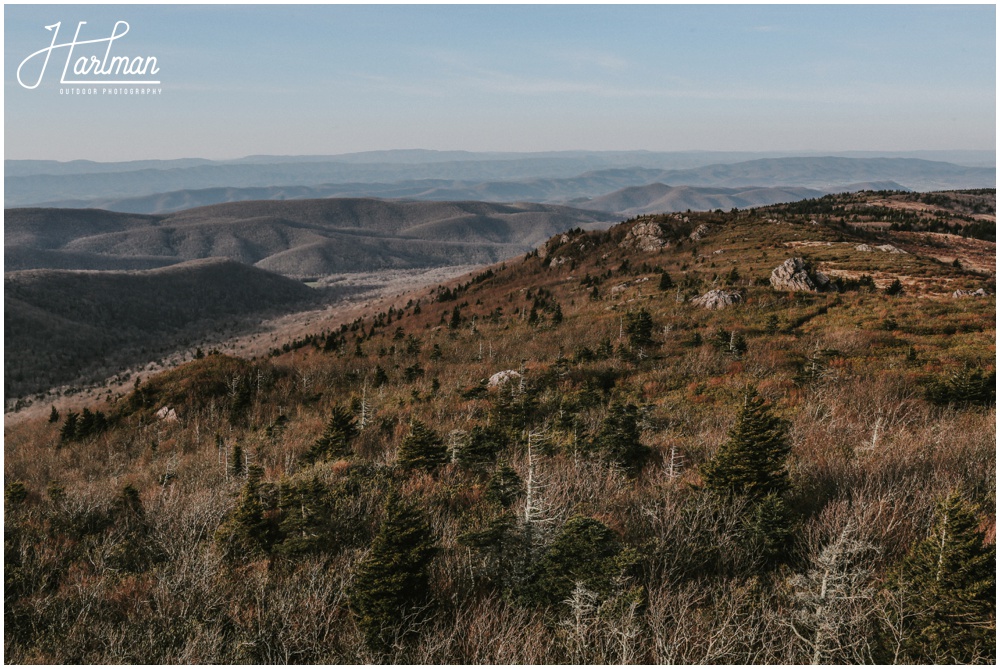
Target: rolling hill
[(301, 238), (64, 326)]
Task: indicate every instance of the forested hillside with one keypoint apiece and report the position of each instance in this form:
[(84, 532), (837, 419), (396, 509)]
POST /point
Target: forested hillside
[(761, 436)]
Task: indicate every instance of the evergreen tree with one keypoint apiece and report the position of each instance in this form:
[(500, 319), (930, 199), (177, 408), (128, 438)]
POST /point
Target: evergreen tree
[(666, 282), (53, 415), (380, 378), (894, 288), (949, 581), (504, 486), (639, 327), (737, 344), (618, 437), (68, 430), (481, 446), (236, 464), (246, 533), (585, 551), (557, 314), (968, 386), (772, 325), (752, 460), (336, 439), (533, 317), (308, 518), (422, 448), (393, 578)]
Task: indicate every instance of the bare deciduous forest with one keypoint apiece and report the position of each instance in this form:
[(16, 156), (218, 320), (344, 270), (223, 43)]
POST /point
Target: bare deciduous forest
[(561, 458)]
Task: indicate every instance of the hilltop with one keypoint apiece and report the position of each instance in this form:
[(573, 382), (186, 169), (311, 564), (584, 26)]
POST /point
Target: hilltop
[(560, 438)]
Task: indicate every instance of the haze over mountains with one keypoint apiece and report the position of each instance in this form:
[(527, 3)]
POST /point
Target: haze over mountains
[(301, 239), (565, 177)]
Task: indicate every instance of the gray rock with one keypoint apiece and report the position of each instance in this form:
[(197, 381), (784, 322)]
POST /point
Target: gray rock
[(699, 232), (970, 293), (718, 299), (884, 248), (504, 377), (794, 274), (646, 237)]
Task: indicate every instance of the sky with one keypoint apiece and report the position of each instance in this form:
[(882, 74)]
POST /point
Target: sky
[(308, 79)]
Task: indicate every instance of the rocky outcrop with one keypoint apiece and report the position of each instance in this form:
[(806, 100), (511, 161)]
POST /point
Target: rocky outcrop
[(645, 237), (699, 232), (718, 299), (884, 248), (970, 293), (795, 274)]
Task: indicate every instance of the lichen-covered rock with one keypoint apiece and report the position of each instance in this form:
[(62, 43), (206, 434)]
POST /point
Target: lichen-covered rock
[(646, 237), (795, 274), (699, 232), (718, 299)]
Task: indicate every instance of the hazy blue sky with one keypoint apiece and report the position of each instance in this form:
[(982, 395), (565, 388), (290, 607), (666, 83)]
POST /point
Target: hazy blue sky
[(241, 80)]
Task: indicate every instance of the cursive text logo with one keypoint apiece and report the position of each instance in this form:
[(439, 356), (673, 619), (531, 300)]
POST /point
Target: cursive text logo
[(93, 67)]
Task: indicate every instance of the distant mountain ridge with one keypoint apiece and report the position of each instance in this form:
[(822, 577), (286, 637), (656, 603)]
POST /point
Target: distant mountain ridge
[(302, 238), (549, 178)]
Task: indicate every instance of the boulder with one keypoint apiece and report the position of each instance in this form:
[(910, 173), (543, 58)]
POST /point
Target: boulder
[(167, 415), (501, 378), (970, 293), (795, 274), (645, 237), (718, 299)]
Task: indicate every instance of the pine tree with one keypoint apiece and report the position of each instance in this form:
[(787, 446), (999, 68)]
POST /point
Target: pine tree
[(308, 523), (752, 461), (68, 430), (480, 447), (53, 415), (504, 486), (666, 283), (246, 533), (639, 327), (336, 439), (585, 551), (393, 578), (619, 437), (422, 448), (236, 465), (949, 581)]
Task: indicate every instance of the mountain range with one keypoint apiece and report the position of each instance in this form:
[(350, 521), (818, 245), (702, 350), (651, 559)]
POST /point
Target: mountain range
[(164, 186)]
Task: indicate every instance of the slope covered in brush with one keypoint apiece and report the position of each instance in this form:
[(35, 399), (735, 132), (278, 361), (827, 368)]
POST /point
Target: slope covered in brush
[(569, 440)]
